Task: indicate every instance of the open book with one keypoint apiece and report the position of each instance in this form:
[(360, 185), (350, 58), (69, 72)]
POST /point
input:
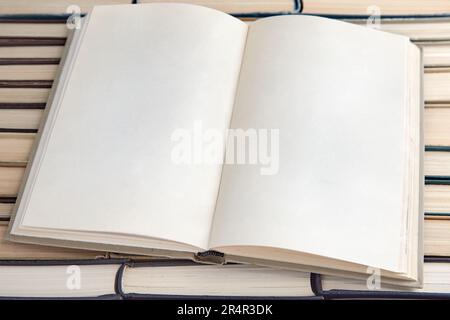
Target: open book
[(322, 171)]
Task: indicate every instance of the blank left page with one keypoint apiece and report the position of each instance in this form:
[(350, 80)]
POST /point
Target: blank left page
[(140, 73)]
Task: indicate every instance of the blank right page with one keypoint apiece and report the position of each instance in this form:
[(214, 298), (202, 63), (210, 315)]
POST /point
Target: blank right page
[(337, 94)]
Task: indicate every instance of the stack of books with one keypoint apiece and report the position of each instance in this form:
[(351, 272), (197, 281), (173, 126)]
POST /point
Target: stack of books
[(367, 7), (30, 53), (244, 8), (46, 7)]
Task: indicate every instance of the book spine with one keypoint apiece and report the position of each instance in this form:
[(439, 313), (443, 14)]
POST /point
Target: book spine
[(210, 257)]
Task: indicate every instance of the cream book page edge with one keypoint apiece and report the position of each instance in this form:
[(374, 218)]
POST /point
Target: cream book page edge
[(65, 58)]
